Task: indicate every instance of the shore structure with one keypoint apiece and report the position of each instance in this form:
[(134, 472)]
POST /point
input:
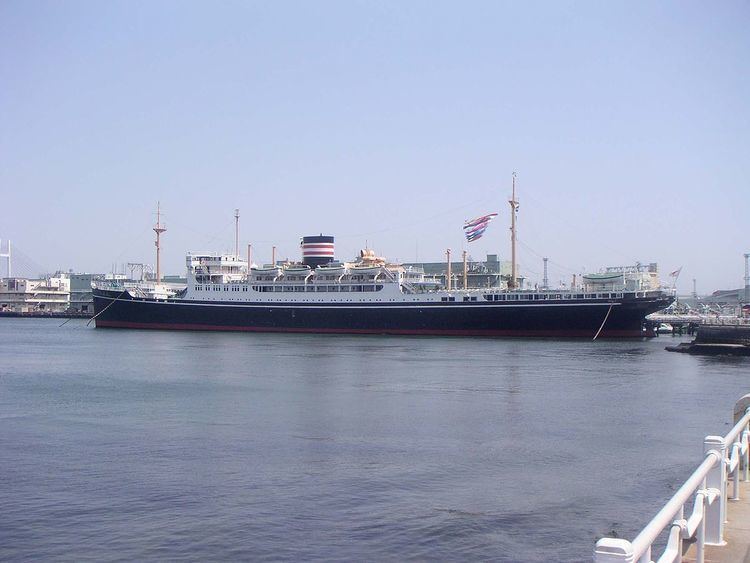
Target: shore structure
[(718, 339), (26, 296)]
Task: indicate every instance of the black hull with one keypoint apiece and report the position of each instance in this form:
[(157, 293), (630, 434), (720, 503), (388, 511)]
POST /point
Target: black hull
[(566, 318)]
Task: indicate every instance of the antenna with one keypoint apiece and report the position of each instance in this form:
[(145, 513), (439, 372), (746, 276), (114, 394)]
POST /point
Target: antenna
[(158, 229), (513, 211), (237, 233)]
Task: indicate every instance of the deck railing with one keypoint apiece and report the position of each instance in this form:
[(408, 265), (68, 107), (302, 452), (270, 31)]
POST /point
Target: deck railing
[(726, 457)]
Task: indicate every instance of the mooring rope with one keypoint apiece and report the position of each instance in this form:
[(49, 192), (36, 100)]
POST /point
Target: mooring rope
[(604, 321), (108, 306)]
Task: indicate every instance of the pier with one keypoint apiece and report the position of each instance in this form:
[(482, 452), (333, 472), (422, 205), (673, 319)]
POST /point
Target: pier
[(715, 526)]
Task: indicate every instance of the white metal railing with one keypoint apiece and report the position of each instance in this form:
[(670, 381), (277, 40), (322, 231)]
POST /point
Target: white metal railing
[(725, 457), (735, 321)]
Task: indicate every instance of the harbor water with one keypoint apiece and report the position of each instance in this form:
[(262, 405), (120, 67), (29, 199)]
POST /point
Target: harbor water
[(136, 445)]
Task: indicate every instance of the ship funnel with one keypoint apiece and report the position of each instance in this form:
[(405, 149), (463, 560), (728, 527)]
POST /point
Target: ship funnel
[(317, 250)]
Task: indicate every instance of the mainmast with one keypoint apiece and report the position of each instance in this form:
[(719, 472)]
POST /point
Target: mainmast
[(158, 229), (513, 210)]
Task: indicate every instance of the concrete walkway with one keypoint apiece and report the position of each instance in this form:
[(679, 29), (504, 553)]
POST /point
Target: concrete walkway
[(736, 532)]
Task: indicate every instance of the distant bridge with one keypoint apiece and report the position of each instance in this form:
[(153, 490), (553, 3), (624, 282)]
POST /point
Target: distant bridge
[(15, 263)]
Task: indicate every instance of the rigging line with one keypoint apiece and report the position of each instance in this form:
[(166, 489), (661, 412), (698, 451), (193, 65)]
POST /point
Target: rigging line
[(555, 213), (424, 220), (527, 247), (604, 321), (133, 243), (527, 269), (107, 307), (396, 227), (207, 236)]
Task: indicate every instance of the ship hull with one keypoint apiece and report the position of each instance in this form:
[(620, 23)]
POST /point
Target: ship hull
[(566, 318)]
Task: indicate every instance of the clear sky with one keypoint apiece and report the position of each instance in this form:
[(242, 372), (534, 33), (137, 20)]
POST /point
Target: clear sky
[(381, 123)]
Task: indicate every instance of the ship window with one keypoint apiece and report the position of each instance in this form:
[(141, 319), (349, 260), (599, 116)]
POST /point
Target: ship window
[(288, 289), (226, 288), (466, 298), (244, 288)]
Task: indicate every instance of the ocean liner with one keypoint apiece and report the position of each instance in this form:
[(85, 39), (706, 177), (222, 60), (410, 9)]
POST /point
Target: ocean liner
[(372, 296)]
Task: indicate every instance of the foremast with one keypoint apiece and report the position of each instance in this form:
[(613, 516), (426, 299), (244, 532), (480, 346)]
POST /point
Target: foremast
[(158, 229)]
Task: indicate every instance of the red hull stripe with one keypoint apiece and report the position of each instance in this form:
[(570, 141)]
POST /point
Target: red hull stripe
[(426, 332)]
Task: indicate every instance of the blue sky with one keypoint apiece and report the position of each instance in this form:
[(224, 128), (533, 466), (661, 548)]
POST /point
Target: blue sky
[(385, 123)]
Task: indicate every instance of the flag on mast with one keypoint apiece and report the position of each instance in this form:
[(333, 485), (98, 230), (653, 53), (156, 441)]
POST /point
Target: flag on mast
[(676, 273), (474, 229)]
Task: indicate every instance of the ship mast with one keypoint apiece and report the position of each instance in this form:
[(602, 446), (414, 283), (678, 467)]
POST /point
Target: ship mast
[(158, 229), (237, 233), (513, 210)]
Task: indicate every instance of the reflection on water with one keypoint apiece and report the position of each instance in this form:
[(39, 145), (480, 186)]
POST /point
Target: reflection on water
[(145, 445)]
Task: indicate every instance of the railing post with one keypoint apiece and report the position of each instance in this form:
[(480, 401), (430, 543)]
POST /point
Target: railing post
[(613, 550), (700, 534), (741, 408), (716, 479)]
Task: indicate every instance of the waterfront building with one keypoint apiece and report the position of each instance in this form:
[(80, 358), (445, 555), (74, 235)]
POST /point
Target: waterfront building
[(48, 295), (81, 298)]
